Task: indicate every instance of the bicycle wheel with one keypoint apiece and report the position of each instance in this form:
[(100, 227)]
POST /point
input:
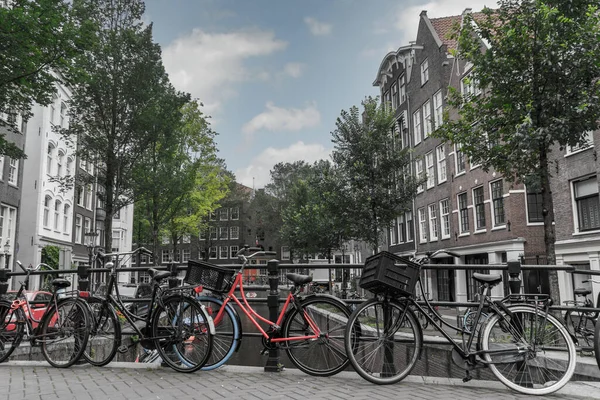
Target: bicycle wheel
[(382, 348), (227, 332), (105, 333), (64, 332), (597, 343), (181, 333), (326, 355), (423, 321), (469, 321), (540, 354), (12, 327)]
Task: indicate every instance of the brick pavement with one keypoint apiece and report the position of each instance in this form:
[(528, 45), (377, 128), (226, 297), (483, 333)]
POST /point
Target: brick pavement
[(29, 381)]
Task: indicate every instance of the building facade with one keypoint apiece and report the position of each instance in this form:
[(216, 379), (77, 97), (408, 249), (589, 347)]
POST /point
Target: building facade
[(476, 214)]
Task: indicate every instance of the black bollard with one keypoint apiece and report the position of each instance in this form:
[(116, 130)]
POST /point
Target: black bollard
[(173, 280), (83, 282), (3, 281), (273, 362), (514, 271)]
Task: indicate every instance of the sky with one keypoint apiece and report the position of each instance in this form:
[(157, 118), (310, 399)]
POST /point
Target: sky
[(274, 75)]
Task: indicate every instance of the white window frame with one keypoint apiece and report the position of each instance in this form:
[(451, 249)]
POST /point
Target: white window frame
[(422, 225), (66, 212), (1, 168), (237, 213), (88, 196), (476, 227), (402, 88), (224, 214), (457, 151), (419, 173), (233, 251), (410, 232), (589, 135), (592, 191), (13, 171), (212, 250), (471, 88), (442, 174), (223, 229), (460, 215), (438, 109), (213, 233), (224, 250), (164, 257), (427, 119), (430, 168), (496, 224), (186, 254), (424, 71), (445, 218), (417, 132), (46, 214), (234, 232), (78, 229), (395, 98), (433, 227)]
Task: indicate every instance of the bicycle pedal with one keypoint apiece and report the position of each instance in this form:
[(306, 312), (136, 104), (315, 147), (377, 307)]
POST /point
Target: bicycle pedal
[(466, 379), (122, 349)]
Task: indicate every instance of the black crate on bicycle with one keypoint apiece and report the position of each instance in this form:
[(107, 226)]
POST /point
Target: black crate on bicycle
[(210, 276), (387, 272)]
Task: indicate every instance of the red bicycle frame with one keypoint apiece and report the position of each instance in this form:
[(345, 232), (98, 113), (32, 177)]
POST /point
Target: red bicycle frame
[(252, 314)]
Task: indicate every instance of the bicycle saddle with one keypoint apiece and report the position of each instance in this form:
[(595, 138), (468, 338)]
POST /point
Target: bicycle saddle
[(492, 279), (60, 283), (158, 275), (582, 291), (299, 279)]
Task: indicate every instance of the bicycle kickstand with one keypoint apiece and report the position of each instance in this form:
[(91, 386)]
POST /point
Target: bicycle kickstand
[(468, 377)]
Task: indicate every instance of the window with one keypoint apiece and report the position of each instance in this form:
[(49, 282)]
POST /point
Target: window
[(88, 200), (186, 255), (395, 98), (212, 216), (185, 239), (213, 233), (13, 171), (498, 202), (438, 110), (177, 256), (79, 195), (202, 235), (224, 214), (223, 233), (478, 203), (534, 207), (459, 156), (410, 232), (430, 170), (463, 213), (587, 142), (433, 227), (78, 232), (63, 113), (47, 201), (424, 72), (402, 85), (469, 86), (235, 213), (422, 225), (69, 170), (233, 251), (417, 126), (401, 230), (53, 109), (587, 204), (441, 163), (234, 232), (212, 252), (223, 252), (60, 159), (419, 171), (445, 218), (49, 158), (393, 233), (7, 223), (87, 227), (427, 119), (1, 167), (115, 240), (66, 227), (165, 256)]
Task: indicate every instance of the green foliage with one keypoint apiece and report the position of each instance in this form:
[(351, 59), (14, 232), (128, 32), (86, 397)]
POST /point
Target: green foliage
[(372, 170), (50, 256), (38, 40)]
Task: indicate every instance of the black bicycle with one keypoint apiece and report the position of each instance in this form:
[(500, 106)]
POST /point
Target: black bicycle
[(581, 323), (61, 332), (526, 348), (176, 325)]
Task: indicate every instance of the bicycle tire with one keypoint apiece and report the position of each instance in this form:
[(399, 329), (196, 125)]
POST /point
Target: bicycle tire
[(533, 372), (325, 356), (570, 324), (369, 347), (597, 343), (469, 319), (423, 321), (12, 328), (227, 332), (105, 333), (64, 332), (181, 332)]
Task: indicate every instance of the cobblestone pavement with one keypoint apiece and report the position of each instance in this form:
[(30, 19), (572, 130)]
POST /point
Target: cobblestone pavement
[(39, 382)]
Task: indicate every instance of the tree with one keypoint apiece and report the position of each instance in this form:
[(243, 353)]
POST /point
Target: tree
[(113, 111), (38, 40), (372, 170), (539, 78), (181, 156)]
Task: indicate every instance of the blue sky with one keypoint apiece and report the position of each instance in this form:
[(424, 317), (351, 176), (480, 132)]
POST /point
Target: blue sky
[(275, 74)]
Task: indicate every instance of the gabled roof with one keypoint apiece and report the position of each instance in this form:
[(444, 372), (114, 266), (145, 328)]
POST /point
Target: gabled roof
[(443, 28)]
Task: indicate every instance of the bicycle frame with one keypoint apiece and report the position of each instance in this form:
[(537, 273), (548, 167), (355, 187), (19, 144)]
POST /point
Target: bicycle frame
[(253, 315)]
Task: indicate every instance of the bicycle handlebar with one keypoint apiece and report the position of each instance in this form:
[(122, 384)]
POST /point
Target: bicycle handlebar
[(101, 253)]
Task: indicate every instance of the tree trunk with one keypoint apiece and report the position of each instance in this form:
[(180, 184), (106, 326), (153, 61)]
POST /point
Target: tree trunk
[(549, 232)]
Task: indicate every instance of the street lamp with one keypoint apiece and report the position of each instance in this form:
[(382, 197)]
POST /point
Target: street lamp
[(7, 253)]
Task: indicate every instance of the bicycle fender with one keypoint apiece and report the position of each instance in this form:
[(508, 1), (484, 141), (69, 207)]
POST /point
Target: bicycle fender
[(238, 320)]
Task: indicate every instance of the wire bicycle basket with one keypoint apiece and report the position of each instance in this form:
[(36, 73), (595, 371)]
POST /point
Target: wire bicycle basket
[(210, 276), (385, 272)]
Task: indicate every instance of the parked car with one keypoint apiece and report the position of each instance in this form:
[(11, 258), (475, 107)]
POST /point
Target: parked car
[(38, 301)]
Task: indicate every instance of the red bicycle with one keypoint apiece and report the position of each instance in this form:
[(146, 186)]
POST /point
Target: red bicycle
[(310, 328)]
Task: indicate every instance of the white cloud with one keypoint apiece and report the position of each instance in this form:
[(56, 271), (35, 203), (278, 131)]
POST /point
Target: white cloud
[(317, 28), (261, 166), (209, 65), (407, 18), (294, 69), (283, 119)]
